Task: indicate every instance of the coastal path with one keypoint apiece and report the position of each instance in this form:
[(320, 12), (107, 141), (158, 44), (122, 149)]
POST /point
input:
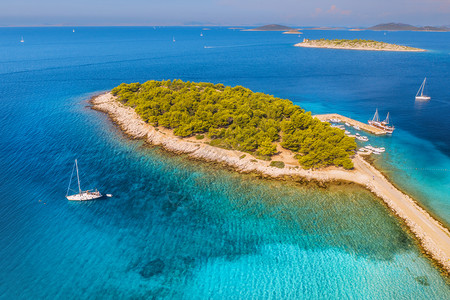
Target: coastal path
[(434, 236)]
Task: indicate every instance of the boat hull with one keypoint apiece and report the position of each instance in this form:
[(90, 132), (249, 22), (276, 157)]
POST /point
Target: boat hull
[(423, 98), (380, 125), (84, 196)]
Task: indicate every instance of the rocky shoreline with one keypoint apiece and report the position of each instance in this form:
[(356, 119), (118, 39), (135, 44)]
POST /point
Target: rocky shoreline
[(433, 236)]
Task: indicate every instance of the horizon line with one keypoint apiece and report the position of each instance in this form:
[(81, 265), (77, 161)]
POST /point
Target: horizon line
[(209, 25)]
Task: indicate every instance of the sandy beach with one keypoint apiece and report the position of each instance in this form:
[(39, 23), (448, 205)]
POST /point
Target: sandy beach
[(433, 236)]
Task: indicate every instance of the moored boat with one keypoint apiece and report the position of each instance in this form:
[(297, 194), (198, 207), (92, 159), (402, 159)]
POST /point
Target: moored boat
[(384, 125), (375, 149), (361, 138), (81, 195)]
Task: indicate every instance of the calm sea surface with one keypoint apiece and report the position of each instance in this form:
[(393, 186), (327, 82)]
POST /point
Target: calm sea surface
[(182, 229)]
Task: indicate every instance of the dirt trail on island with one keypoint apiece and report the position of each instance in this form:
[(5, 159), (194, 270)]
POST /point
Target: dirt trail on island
[(433, 236)]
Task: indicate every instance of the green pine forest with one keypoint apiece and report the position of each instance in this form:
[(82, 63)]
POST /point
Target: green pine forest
[(237, 118)]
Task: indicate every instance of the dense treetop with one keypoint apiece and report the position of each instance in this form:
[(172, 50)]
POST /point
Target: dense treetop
[(237, 118)]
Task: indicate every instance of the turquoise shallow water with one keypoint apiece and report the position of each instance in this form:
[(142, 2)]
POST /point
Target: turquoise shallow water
[(181, 229)]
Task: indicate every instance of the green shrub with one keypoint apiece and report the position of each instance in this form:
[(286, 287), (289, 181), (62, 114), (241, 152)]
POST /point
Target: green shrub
[(276, 163)]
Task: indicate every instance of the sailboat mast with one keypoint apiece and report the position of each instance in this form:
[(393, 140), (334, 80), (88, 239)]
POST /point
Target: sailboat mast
[(70, 181), (375, 116), (423, 86), (78, 177)]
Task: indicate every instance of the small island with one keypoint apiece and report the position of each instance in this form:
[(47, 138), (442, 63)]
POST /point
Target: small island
[(272, 27), (239, 119), (356, 44), (258, 133), (276, 27)]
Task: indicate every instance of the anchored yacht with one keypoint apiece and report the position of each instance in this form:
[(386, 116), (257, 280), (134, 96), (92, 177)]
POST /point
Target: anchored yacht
[(81, 195)]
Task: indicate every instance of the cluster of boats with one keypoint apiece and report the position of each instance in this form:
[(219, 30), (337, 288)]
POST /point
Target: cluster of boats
[(375, 122), (340, 126), (384, 125)]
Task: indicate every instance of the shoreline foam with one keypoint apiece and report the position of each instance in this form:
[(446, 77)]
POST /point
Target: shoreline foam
[(433, 236)]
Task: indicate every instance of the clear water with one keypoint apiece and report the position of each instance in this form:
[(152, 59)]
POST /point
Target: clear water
[(179, 229)]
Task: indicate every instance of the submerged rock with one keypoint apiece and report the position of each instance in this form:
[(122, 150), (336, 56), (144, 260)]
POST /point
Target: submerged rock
[(152, 268), (423, 280)]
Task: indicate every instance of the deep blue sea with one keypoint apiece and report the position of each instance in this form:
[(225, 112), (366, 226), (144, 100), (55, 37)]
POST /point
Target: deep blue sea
[(180, 229)]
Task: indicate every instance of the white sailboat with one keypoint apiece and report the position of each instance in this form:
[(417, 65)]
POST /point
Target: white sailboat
[(81, 195), (375, 122), (173, 39), (21, 40), (420, 91), (201, 34)]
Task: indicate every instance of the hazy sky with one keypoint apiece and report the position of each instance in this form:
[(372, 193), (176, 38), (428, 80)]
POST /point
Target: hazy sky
[(224, 12)]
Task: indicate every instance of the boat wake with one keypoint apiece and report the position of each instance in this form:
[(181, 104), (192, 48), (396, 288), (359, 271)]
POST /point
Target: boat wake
[(234, 46)]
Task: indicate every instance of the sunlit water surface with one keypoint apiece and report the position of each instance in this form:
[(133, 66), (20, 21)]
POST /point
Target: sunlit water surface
[(182, 229)]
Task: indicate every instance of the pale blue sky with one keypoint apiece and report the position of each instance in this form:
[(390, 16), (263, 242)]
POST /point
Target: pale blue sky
[(224, 12)]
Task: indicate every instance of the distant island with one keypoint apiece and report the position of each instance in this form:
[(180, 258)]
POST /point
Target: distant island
[(272, 27), (356, 44), (276, 27), (405, 27)]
